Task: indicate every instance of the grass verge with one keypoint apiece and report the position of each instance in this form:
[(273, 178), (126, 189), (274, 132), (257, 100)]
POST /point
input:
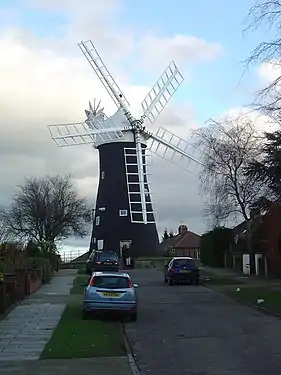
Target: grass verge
[(250, 295), (78, 338), (220, 281), (77, 287)]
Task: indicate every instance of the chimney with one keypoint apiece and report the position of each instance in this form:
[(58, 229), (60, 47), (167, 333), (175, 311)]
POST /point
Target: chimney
[(182, 229)]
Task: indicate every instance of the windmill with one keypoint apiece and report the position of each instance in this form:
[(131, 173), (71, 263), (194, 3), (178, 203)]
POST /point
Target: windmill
[(124, 210)]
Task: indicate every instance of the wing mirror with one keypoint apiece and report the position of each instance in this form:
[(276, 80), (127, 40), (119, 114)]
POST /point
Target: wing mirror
[(84, 284), (135, 285)]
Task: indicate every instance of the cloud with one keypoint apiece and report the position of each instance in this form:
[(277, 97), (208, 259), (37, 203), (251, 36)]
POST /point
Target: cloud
[(46, 80), (270, 71), (262, 123), (183, 49)]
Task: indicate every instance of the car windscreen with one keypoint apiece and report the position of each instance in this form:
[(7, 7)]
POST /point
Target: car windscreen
[(111, 282), (183, 262), (103, 257)]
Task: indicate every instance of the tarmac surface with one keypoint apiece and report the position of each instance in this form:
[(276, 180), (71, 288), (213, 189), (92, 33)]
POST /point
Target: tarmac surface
[(193, 330)]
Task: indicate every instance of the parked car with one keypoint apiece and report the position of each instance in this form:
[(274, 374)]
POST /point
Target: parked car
[(110, 292), (103, 261), (182, 269)]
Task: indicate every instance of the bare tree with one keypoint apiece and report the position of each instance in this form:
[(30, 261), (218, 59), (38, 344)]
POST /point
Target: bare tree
[(4, 232), (48, 209), (227, 147), (268, 12)]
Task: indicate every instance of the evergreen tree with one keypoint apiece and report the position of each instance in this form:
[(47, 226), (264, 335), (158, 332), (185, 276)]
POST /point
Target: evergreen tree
[(171, 234), (267, 170), (165, 235)]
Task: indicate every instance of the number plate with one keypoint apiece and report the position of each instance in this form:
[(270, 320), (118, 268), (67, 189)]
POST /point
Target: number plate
[(110, 294), (185, 271)]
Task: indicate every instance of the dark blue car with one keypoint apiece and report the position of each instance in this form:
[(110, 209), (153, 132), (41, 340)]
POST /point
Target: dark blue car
[(181, 269)]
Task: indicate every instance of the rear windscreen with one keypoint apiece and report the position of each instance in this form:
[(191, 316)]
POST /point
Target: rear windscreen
[(111, 282), (108, 256), (183, 262)]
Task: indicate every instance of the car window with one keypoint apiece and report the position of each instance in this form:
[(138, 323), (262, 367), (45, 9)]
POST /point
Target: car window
[(94, 255), (107, 256), (183, 262), (111, 282)]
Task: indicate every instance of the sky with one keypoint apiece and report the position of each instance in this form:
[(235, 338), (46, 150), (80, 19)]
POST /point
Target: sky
[(46, 80)]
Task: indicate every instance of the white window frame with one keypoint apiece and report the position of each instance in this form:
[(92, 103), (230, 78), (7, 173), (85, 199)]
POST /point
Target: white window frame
[(100, 244), (97, 221), (123, 213)]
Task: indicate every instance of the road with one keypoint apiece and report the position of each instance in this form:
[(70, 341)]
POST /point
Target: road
[(194, 331)]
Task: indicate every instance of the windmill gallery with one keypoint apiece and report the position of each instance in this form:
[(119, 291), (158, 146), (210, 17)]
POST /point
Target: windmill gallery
[(124, 210)]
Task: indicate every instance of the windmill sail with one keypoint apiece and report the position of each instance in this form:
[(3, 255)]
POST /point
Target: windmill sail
[(109, 83), (158, 97), (140, 204), (173, 149), (78, 133)]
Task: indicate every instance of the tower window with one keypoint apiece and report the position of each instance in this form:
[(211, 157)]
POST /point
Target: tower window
[(97, 220), (123, 213), (100, 244), (102, 175)]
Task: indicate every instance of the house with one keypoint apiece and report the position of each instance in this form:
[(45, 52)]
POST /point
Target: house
[(184, 243), (265, 244)]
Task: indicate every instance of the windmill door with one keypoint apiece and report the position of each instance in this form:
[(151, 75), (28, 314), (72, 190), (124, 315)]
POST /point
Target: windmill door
[(124, 245)]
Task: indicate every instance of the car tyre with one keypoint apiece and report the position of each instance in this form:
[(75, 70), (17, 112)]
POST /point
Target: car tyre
[(171, 282), (134, 316), (197, 281)]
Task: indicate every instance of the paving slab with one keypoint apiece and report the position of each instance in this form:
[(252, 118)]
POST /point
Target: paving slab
[(27, 329)]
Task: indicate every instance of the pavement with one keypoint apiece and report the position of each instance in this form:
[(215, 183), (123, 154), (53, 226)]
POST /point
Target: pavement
[(26, 330), (193, 330)]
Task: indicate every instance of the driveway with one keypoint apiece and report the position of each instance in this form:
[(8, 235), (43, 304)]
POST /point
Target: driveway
[(195, 331)]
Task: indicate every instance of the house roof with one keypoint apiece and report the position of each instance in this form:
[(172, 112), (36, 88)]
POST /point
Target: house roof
[(188, 240), (183, 241)]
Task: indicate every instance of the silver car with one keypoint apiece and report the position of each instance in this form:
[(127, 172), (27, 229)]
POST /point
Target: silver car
[(110, 292)]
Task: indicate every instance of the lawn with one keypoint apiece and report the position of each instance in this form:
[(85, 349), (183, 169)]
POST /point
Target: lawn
[(77, 287), (78, 338), (250, 295), (220, 281)]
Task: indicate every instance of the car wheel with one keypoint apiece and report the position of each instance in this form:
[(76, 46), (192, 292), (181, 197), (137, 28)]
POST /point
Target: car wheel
[(197, 281), (171, 282), (134, 316)]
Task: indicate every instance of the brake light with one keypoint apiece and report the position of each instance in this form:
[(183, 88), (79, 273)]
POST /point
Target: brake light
[(98, 262), (92, 281), (130, 284), (172, 270)]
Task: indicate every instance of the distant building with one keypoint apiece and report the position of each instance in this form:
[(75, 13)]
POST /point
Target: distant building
[(184, 243), (265, 244)]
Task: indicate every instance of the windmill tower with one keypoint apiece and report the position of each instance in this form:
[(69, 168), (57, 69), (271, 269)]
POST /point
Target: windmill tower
[(124, 210)]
